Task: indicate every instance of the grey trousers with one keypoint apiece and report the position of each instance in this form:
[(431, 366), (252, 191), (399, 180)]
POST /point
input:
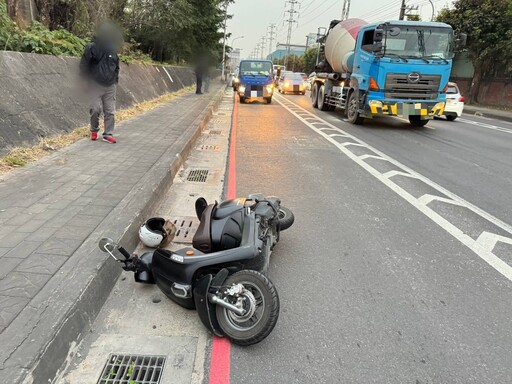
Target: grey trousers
[(103, 99)]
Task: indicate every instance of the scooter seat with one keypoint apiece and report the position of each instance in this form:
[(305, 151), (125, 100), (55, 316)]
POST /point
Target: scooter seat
[(203, 237)]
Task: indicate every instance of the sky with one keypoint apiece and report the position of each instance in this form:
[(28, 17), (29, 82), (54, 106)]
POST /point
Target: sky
[(251, 18)]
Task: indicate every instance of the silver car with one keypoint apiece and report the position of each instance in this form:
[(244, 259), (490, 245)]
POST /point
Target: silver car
[(292, 83)]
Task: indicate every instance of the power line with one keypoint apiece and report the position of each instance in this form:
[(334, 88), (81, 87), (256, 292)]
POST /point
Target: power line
[(291, 20), (346, 9), (271, 33)]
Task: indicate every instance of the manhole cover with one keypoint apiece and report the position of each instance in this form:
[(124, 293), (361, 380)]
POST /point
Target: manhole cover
[(130, 369), (198, 175), (215, 132), (208, 148), (186, 227)]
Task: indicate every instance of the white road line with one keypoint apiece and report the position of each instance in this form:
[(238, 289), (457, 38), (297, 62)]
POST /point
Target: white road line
[(364, 157), (489, 240), (427, 199), (480, 248), (485, 125), (390, 174)]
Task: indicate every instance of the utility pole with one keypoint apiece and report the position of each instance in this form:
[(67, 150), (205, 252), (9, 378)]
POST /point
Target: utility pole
[(402, 11), (291, 19), (263, 39), (272, 33), (224, 40), (346, 9)]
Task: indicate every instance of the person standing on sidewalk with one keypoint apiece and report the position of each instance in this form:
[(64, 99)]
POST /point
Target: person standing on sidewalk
[(199, 70), (100, 66)]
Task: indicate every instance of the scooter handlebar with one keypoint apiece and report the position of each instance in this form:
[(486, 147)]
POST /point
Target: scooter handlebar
[(125, 253)]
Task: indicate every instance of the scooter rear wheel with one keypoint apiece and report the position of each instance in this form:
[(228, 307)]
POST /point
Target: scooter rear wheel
[(286, 218), (261, 302)]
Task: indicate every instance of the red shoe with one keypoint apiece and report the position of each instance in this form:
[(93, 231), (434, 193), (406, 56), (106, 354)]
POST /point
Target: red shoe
[(94, 136), (109, 139)]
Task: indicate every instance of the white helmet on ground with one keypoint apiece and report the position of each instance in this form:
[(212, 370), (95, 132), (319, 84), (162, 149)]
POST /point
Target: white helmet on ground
[(157, 232)]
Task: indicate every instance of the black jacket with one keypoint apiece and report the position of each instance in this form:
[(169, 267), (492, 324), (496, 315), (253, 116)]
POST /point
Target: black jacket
[(100, 63)]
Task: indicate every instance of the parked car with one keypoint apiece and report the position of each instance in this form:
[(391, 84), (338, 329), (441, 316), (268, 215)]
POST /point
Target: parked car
[(292, 83), (454, 102)]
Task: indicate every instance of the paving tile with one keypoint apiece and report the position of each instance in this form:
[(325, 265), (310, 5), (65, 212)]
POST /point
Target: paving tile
[(13, 239), (77, 232), (9, 309), (8, 264), (23, 249), (31, 225), (56, 246), (83, 201), (21, 219), (22, 284), (42, 234), (86, 221), (96, 210), (37, 208), (3, 251), (41, 263)]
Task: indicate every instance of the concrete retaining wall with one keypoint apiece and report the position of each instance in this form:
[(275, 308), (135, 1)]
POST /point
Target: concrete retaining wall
[(41, 96)]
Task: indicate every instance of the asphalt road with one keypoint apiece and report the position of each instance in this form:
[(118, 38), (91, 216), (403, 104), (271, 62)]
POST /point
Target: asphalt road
[(393, 272)]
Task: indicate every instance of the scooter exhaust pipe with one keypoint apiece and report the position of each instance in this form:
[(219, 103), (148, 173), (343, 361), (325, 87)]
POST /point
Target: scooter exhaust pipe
[(217, 300)]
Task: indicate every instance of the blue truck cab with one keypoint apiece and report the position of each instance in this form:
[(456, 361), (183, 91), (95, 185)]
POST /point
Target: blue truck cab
[(409, 76), (256, 80)]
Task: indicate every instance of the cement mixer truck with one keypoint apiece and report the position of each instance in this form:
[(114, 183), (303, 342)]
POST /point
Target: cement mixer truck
[(395, 68)]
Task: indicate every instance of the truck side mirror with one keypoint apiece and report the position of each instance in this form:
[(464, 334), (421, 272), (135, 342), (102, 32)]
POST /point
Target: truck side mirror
[(461, 40), (378, 35)]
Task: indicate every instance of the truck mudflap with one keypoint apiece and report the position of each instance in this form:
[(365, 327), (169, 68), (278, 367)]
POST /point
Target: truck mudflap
[(427, 110)]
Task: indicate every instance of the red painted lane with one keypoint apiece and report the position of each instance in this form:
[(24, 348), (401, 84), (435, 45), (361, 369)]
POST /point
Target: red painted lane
[(221, 347)]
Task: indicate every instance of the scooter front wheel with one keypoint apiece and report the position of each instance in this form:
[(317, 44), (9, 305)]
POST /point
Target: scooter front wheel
[(286, 218), (260, 301)]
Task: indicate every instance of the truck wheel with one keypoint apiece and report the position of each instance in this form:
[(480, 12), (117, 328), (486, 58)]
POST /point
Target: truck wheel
[(416, 121), (451, 117), (314, 95), (352, 109), (322, 105), (242, 99), (268, 100)]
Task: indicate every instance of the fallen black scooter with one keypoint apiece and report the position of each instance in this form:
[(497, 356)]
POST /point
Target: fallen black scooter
[(223, 275)]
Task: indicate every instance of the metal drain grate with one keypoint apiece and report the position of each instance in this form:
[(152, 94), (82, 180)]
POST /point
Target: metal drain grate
[(198, 175), (209, 148), (186, 227), (215, 132), (130, 369)]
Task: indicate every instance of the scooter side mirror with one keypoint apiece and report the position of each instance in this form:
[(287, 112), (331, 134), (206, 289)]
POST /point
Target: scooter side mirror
[(107, 245)]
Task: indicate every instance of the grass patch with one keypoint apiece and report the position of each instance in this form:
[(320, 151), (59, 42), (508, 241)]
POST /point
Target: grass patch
[(20, 156)]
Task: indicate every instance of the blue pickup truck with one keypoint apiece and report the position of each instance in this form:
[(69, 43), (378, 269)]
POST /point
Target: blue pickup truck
[(256, 80)]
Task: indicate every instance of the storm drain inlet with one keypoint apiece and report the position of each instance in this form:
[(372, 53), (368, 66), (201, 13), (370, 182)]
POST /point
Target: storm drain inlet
[(129, 369), (198, 175)]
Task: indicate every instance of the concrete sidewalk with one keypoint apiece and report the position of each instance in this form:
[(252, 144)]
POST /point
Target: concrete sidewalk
[(53, 279), (488, 112)]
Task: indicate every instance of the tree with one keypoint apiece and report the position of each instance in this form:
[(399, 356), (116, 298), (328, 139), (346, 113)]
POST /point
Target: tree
[(310, 60), (488, 24)]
